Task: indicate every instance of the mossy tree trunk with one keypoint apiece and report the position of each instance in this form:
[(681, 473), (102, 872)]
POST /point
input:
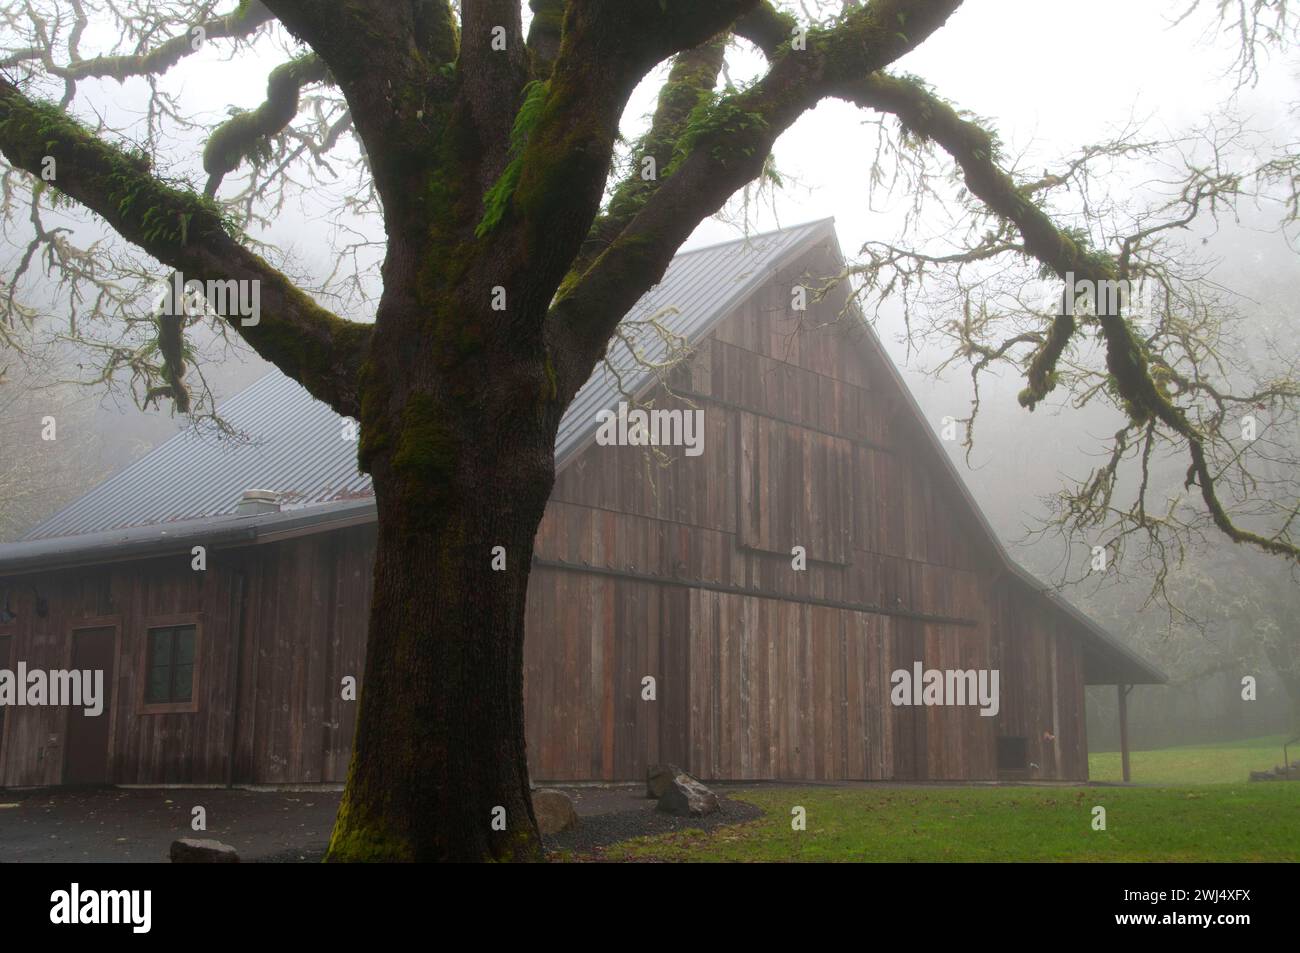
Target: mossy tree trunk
[(458, 422), (466, 378), (439, 769)]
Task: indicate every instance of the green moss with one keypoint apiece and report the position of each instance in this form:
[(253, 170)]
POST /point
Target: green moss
[(246, 133), (142, 205), (356, 842), (558, 165), (229, 141), (424, 457), (1042, 372), (729, 129), (497, 200), (447, 203), (374, 391), (446, 31)]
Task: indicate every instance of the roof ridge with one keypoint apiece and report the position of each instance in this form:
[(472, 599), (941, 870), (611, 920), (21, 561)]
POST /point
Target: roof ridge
[(713, 246)]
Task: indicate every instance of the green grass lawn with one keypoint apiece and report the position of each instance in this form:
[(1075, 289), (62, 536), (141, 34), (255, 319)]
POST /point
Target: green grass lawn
[(1198, 807), (1256, 822), (1222, 763)]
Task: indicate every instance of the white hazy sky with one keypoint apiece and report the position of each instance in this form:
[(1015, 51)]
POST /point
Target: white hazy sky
[(1052, 75)]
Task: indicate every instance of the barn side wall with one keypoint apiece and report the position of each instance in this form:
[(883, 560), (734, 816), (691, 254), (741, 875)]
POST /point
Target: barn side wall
[(665, 620), (279, 626)]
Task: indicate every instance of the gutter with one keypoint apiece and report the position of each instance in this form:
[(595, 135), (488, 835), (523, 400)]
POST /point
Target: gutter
[(144, 542)]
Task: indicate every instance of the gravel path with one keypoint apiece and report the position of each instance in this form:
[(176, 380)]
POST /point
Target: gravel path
[(607, 815), (114, 824), (134, 825)]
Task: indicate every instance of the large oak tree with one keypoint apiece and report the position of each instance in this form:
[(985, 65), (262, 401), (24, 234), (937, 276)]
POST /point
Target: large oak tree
[(515, 241)]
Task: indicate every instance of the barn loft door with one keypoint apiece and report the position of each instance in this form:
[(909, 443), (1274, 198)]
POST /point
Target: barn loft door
[(795, 489), (86, 761)]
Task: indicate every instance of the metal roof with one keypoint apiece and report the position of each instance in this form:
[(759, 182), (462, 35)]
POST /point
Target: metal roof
[(161, 539), (291, 443), (295, 445)]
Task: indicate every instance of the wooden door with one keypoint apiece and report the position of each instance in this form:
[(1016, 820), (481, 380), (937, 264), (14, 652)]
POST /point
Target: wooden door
[(86, 760)]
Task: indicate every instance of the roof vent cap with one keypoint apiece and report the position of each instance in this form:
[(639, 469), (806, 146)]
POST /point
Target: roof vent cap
[(258, 501)]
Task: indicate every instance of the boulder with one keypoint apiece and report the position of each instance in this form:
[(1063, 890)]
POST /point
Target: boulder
[(687, 797), (189, 850), (554, 811), (658, 778)]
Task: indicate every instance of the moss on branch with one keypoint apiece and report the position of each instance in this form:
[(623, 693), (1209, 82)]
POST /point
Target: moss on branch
[(1142, 397), (244, 21), (498, 198), (188, 232), (245, 134)]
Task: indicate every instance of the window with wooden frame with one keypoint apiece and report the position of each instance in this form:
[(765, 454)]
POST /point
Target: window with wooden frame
[(170, 666)]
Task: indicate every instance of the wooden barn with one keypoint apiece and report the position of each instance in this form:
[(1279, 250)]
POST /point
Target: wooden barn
[(669, 617)]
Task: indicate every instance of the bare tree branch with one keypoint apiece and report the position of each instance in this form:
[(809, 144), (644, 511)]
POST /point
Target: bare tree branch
[(1127, 358), (188, 233)]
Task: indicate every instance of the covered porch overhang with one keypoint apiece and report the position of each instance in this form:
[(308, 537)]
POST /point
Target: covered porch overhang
[(1116, 665)]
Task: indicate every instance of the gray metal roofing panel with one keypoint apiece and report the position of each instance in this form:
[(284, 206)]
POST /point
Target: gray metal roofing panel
[(295, 445)]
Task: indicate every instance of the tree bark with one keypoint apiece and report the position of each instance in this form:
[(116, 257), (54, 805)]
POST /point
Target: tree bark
[(440, 744), (459, 442)]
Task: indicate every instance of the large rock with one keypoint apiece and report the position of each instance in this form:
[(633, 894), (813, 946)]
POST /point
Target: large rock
[(659, 778), (554, 811), (686, 797), (189, 850)]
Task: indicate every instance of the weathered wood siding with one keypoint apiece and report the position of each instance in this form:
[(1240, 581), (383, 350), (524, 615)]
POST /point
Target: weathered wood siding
[(680, 573), (279, 625), (807, 442)]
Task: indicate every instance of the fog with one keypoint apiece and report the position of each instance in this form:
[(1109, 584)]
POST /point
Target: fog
[(1051, 76)]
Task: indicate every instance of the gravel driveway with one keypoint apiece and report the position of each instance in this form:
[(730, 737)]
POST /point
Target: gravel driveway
[(138, 825)]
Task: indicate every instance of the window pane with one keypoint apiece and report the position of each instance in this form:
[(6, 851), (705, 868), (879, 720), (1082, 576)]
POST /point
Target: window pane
[(160, 647), (184, 646), (170, 674), (183, 683), (159, 685)]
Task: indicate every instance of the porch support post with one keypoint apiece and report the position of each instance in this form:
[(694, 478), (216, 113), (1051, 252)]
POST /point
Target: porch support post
[(1123, 728)]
